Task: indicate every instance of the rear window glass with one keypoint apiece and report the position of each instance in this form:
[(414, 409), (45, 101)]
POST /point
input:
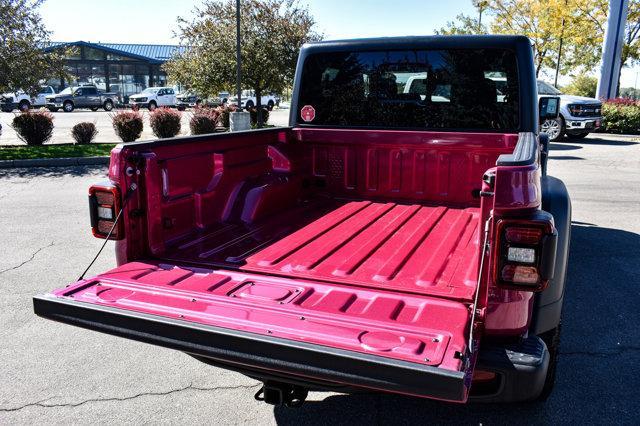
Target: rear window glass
[(427, 89)]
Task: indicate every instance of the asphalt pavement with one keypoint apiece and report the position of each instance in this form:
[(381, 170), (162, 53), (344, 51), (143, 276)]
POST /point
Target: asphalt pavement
[(57, 374)]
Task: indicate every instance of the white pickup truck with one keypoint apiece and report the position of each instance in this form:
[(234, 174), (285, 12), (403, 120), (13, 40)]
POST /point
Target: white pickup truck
[(249, 100), (22, 101), (153, 97)]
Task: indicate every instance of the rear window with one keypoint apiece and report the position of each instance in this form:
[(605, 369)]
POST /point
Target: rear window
[(425, 89)]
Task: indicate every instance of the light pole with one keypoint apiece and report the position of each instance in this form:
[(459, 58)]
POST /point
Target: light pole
[(238, 57), (481, 5)]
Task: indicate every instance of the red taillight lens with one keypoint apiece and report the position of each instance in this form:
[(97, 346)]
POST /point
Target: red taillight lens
[(104, 206), (525, 253), (529, 236), (519, 274)]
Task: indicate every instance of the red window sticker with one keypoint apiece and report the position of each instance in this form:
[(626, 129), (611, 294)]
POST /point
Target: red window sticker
[(308, 113)]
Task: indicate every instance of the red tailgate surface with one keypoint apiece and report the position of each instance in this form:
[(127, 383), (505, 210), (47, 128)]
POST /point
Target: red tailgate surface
[(407, 327)]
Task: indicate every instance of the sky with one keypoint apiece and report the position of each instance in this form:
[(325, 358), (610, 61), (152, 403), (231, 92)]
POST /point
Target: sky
[(154, 21)]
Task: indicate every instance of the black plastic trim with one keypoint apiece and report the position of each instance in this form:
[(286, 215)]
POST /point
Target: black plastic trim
[(547, 307), (525, 152), (522, 367), (267, 353)]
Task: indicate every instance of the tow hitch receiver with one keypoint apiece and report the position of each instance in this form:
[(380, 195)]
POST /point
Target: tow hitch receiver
[(276, 393)]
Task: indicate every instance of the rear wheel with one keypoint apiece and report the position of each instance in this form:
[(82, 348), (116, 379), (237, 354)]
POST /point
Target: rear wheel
[(24, 106), (270, 105), (152, 106), (552, 339), (554, 128), (68, 106), (108, 105), (249, 104)]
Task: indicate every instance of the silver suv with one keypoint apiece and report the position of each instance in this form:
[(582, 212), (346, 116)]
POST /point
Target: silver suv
[(578, 115)]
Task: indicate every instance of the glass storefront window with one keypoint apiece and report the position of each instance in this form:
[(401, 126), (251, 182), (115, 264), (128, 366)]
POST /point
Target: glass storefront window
[(93, 54), (112, 57), (98, 77), (72, 52)]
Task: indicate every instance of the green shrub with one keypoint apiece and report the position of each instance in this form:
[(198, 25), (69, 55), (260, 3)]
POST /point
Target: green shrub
[(621, 117), (83, 133), (165, 122), (204, 120), (127, 124), (33, 128), (254, 115)]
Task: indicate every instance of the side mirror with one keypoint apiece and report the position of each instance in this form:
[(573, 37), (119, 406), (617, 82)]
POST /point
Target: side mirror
[(548, 108)]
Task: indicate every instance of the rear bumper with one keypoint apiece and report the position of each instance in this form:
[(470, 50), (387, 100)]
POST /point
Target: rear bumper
[(521, 371), (244, 351)]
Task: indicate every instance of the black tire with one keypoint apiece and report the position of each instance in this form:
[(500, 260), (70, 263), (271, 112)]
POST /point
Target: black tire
[(270, 105), (181, 108), (107, 106), (68, 106), (577, 135), (249, 104), (552, 339), (554, 128), (24, 106), (53, 109), (152, 106), (94, 109)]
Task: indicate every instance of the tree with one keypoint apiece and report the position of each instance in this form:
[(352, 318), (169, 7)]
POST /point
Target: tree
[(23, 64), (577, 25), (582, 85), (272, 33)]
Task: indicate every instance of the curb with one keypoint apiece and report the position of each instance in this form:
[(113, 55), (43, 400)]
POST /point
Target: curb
[(54, 162)]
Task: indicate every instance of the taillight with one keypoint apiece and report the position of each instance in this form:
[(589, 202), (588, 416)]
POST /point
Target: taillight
[(104, 206), (526, 252)]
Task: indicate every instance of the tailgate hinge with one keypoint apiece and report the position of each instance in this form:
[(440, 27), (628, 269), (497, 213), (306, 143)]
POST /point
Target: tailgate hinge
[(477, 314)]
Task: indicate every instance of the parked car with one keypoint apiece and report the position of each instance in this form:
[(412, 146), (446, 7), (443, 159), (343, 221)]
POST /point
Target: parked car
[(249, 100), (187, 100), (578, 117), (22, 101), (420, 252), (153, 97), (86, 96)]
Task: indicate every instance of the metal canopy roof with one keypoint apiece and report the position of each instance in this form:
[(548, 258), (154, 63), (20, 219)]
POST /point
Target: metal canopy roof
[(154, 53)]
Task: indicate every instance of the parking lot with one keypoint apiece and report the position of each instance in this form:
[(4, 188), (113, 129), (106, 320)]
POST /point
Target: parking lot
[(60, 374), (64, 121)]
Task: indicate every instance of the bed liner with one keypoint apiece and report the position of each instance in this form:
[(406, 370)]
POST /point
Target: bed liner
[(401, 247)]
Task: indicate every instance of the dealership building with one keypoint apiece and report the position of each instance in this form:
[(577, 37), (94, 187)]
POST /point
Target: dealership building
[(122, 68)]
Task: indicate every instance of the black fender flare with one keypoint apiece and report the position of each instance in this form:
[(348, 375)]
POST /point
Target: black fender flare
[(547, 307)]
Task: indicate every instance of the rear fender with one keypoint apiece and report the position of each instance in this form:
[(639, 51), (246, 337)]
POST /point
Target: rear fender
[(548, 304)]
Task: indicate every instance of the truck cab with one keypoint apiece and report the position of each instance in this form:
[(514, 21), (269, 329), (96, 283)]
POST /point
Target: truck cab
[(387, 240)]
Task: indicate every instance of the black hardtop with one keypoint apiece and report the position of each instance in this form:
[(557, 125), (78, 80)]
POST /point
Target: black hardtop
[(514, 42), (519, 44)]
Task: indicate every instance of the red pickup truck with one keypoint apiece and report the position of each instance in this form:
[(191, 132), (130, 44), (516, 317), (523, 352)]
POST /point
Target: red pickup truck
[(406, 241)]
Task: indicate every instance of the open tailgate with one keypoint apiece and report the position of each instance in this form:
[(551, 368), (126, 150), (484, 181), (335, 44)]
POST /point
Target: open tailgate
[(376, 339)]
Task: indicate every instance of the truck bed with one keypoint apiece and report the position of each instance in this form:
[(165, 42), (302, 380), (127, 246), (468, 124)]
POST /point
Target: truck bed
[(402, 247)]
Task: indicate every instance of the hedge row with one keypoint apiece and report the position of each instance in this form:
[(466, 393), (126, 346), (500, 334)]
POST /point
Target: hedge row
[(36, 127), (621, 116)]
